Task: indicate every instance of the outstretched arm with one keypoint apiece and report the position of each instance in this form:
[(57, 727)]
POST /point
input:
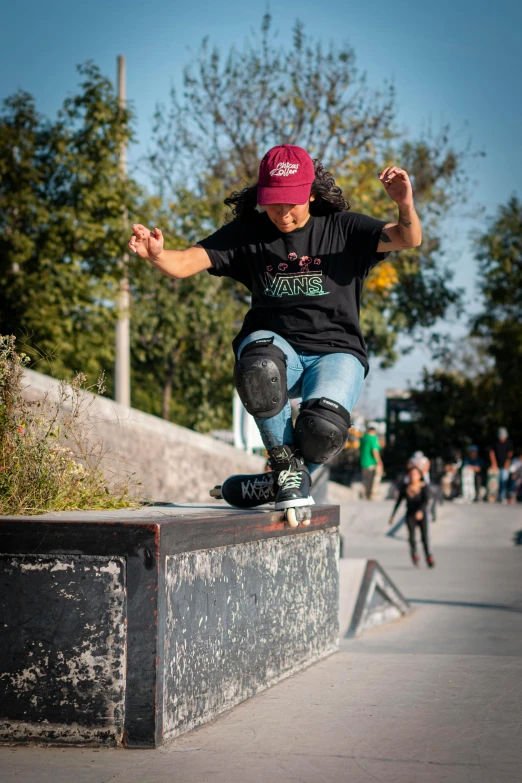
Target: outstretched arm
[(174, 263), (407, 232), (402, 495)]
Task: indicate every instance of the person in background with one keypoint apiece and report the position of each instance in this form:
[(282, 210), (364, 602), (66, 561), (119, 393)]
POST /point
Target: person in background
[(416, 495), (475, 463), (370, 456), (515, 479), (419, 460), (457, 479), (447, 481), (500, 456)]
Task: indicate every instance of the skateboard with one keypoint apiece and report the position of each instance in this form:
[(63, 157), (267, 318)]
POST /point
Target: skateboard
[(257, 489), (492, 484), (468, 484)]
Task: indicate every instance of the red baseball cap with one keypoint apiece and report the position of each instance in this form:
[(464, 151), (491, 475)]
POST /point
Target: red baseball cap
[(286, 174)]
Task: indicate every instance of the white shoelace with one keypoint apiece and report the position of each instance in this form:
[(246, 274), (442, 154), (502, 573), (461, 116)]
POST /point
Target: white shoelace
[(260, 488), (290, 479)]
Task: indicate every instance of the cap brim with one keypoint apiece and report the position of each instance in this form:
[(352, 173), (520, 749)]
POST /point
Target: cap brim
[(300, 194)]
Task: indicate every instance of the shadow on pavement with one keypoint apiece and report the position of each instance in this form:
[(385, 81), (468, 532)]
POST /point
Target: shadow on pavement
[(397, 526), (501, 607)]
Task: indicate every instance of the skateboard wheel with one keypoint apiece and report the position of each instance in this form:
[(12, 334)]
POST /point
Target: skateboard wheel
[(291, 517), (216, 492)]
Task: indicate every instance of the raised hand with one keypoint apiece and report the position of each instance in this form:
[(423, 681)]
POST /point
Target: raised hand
[(397, 184), (145, 243)]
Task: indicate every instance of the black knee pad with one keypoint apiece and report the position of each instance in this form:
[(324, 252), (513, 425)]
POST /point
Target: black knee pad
[(260, 378), (321, 429)]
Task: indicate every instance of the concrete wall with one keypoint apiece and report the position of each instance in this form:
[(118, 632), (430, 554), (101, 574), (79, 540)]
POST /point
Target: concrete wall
[(62, 655), (172, 463), (133, 626), (241, 618)]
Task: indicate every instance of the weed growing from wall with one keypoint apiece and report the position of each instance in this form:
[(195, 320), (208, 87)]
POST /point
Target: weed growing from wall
[(47, 459)]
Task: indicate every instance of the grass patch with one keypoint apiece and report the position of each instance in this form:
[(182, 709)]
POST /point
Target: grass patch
[(47, 459)]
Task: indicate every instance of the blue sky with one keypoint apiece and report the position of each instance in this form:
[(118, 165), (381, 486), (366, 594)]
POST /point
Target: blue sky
[(457, 62)]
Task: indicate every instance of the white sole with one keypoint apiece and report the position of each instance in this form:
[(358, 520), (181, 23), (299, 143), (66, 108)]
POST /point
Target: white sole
[(309, 501)]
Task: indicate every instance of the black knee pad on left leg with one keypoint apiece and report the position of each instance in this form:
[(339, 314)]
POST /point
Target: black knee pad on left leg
[(321, 429)]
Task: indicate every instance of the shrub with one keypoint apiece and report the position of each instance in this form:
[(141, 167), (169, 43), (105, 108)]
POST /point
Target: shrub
[(47, 461)]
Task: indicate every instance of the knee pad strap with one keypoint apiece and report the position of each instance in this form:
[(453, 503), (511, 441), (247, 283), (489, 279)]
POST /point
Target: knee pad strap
[(260, 378), (321, 429)]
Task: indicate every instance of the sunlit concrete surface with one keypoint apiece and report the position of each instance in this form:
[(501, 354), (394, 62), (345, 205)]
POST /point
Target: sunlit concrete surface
[(435, 697)]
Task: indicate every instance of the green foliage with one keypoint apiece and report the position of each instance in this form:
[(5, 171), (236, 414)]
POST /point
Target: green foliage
[(46, 461), (235, 106), (454, 412), (61, 224), (499, 256), (479, 389), (63, 204), (181, 335)]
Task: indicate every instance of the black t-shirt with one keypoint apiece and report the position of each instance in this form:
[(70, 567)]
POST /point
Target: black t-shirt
[(306, 284), (413, 504), (501, 450)]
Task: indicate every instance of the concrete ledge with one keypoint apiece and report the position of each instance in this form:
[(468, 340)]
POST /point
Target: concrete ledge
[(128, 628)]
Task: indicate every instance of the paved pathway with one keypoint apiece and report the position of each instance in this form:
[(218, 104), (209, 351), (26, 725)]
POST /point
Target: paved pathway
[(433, 698)]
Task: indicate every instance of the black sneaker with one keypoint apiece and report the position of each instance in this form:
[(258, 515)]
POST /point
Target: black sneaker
[(293, 478)]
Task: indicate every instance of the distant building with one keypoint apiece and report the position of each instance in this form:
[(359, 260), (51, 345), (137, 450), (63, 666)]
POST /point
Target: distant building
[(400, 409)]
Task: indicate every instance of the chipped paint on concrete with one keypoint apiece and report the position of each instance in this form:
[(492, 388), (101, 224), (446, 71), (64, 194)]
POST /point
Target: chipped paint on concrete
[(240, 618), (15, 731), (62, 649)]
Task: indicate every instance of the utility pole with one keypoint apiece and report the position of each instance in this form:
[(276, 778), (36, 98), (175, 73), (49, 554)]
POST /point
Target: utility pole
[(122, 363)]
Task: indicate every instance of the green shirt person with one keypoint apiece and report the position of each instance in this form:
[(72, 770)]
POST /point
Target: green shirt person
[(370, 456)]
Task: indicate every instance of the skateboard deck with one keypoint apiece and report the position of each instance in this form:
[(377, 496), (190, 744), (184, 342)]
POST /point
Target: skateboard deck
[(493, 484), (468, 484)]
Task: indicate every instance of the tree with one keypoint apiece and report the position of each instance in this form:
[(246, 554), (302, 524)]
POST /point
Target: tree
[(499, 258), (181, 333), (61, 204), (235, 107), (478, 389), (61, 227), (181, 330)]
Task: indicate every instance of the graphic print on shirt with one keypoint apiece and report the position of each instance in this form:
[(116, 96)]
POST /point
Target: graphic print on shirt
[(294, 283)]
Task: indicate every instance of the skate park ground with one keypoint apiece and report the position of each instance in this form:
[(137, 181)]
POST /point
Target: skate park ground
[(436, 696)]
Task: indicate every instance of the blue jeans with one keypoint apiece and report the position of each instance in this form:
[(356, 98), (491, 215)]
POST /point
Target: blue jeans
[(337, 376), (503, 484)]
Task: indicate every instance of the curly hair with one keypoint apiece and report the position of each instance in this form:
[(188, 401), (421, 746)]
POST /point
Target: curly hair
[(328, 197)]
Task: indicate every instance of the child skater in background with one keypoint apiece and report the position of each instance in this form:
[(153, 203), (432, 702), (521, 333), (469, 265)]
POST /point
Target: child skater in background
[(416, 495)]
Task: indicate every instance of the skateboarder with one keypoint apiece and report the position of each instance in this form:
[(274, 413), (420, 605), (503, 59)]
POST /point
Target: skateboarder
[(304, 257), (415, 493), (500, 456)]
